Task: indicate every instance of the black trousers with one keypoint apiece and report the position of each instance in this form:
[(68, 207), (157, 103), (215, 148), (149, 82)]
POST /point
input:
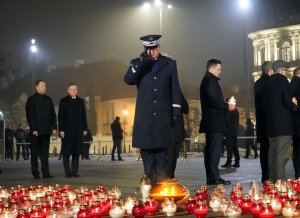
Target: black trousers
[(264, 154), (296, 156), (155, 164), (19, 145), (27, 148), (232, 149), (86, 151), (73, 169), (212, 155), (9, 150), (250, 144), (40, 149), (117, 145), (173, 155)]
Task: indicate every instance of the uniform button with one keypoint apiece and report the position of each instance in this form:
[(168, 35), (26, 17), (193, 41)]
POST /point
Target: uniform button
[(155, 90), (154, 114), (155, 77), (154, 101)]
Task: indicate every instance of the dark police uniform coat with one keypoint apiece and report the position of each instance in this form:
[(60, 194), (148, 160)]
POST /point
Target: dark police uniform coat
[(73, 121), (158, 99)]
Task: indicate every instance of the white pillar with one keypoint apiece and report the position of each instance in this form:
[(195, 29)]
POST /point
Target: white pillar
[(293, 48), (275, 49), (266, 50), (255, 53)]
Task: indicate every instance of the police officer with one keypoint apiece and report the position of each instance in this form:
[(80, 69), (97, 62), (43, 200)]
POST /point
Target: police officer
[(157, 108)]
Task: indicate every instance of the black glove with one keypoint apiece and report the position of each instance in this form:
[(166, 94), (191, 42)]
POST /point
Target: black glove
[(144, 58), (174, 120)]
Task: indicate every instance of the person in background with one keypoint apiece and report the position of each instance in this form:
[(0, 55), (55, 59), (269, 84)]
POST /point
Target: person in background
[(117, 135), (87, 141), (20, 136), (250, 129), (9, 142), (232, 121)]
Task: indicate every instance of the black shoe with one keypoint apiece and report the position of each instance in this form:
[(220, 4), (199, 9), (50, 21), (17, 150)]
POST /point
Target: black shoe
[(256, 156), (226, 165), (113, 159), (224, 182), (37, 177), (68, 175), (48, 176), (246, 157), (120, 159), (76, 175), (236, 165)]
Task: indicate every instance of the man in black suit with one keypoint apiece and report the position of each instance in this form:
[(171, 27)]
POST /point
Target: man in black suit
[(9, 142), (20, 136), (41, 118), (158, 106), (278, 106), (261, 133), (213, 120), (117, 135), (72, 122), (295, 87)]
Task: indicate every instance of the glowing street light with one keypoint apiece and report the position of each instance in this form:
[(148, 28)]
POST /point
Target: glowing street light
[(147, 5), (244, 4), (33, 49), (159, 4)]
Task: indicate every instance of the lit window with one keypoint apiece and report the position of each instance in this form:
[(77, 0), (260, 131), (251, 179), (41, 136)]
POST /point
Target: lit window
[(286, 51)]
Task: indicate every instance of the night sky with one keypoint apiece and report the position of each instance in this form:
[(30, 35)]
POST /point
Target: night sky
[(94, 30)]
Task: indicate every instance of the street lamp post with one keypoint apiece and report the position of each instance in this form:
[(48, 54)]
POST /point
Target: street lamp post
[(33, 49), (244, 4), (125, 113), (159, 4)]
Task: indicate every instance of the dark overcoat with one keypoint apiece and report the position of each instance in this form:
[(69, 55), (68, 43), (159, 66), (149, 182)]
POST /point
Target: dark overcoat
[(259, 112), (158, 99), (116, 130), (278, 106), (213, 105), (295, 88), (40, 114), (178, 127), (73, 121)]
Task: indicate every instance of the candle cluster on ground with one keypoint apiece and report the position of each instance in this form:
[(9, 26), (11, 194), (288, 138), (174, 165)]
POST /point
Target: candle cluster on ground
[(279, 198)]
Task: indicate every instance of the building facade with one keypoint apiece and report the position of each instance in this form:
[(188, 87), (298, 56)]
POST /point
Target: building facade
[(276, 43)]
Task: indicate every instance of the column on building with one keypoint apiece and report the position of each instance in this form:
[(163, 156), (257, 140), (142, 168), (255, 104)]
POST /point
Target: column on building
[(267, 49), (255, 50), (293, 46)]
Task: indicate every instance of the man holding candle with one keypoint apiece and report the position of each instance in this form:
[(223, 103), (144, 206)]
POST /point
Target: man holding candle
[(213, 120), (158, 106)]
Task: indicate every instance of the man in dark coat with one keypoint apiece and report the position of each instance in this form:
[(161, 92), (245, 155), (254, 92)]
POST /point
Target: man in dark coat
[(213, 122), (9, 142), (42, 122), (178, 130), (72, 123), (295, 88), (20, 136), (117, 135), (261, 133), (250, 132), (278, 106), (158, 105), (27, 143), (232, 122)]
